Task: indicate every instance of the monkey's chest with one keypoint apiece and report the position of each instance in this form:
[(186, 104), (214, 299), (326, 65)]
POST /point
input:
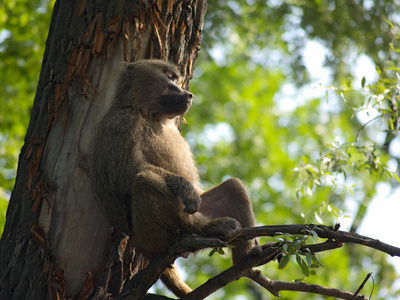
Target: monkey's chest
[(172, 153)]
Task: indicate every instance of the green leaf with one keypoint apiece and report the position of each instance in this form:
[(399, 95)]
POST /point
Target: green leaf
[(303, 266), (309, 259), (315, 235), (212, 252), (283, 262), (395, 176), (3, 209), (363, 82)]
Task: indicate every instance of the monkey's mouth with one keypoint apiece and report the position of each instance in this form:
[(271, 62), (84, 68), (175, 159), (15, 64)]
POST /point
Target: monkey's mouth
[(183, 105), (176, 105)]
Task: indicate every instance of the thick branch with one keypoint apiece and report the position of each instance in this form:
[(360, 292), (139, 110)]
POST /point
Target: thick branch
[(233, 273), (274, 287), (140, 283)]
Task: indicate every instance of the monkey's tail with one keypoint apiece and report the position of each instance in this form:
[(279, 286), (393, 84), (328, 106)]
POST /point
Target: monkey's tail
[(174, 282)]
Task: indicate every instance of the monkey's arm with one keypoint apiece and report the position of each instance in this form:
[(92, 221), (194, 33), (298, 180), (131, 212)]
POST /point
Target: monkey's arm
[(184, 190), (180, 186)]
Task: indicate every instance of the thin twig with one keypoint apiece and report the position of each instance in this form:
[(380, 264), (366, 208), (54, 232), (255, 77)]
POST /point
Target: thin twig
[(365, 125), (362, 285), (327, 232)]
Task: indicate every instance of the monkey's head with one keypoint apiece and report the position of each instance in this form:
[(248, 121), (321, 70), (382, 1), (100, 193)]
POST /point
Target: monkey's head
[(151, 88)]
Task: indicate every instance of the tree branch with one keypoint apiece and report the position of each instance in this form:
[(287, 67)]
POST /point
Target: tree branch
[(141, 282), (144, 279), (244, 269), (323, 231), (277, 286)]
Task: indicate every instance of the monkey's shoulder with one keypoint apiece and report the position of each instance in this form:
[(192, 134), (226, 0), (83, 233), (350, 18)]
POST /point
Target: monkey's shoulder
[(119, 127)]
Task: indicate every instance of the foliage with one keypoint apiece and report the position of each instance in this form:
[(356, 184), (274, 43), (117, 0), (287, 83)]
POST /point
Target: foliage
[(305, 156), (3, 208), (316, 156), (23, 31), (291, 246), (276, 32)]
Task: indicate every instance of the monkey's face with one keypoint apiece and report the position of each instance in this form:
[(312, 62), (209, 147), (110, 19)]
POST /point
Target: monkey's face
[(155, 90), (174, 101)]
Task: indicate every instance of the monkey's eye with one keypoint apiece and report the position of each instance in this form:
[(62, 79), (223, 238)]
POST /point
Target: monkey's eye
[(172, 76)]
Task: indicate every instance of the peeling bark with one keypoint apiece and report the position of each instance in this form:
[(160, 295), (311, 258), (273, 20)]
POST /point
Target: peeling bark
[(56, 242)]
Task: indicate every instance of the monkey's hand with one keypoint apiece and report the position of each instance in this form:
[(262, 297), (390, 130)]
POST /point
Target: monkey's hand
[(184, 190)]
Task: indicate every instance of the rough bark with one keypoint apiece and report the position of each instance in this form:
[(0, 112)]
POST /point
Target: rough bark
[(56, 242)]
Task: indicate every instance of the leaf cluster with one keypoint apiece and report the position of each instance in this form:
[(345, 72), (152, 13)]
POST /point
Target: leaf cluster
[(277, 32), (294, 245), (23, 31)]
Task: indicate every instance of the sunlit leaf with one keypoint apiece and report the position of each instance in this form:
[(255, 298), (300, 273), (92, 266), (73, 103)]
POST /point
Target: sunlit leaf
[(363, 82), (396, 176), (283, 262)]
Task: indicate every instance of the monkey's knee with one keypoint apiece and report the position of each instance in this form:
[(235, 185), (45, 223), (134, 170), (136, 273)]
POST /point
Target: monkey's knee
[(234, 182), (235, 187)]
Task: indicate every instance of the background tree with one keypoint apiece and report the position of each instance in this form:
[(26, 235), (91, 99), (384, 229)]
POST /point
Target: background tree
[(248, 121)]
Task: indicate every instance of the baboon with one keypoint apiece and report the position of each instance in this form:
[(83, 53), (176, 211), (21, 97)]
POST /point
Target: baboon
[(144, 172)]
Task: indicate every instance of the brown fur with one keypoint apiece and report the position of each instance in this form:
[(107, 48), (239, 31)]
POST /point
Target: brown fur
[(144, 172)]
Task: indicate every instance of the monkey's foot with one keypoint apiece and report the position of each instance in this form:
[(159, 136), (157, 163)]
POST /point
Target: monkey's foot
[(224, 228)]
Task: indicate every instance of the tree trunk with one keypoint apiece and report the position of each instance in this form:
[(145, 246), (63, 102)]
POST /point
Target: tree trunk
[(56, 242)]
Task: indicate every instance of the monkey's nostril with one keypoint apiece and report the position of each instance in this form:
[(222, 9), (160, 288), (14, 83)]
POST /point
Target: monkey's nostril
[(190, 95)]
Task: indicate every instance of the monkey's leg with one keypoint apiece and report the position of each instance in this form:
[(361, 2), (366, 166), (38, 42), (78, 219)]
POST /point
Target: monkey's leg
[(156, 216), (156, 212), (230, 199)]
